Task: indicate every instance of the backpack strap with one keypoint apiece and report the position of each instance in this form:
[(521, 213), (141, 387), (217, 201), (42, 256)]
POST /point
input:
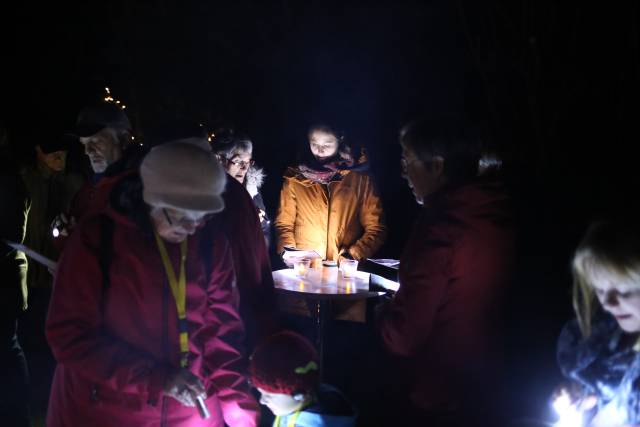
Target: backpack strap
[(106, 249)]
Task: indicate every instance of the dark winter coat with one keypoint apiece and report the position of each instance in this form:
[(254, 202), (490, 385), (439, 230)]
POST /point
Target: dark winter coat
[(445, 318), (240, 223), (116, 342), (606, 365), (14, 209), (51, 193)]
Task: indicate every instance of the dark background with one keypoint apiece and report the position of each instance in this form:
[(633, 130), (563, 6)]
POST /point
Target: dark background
[(554, 86)]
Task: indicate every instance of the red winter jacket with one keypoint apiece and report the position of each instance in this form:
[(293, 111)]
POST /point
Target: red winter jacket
[(445, 318), (115, 344), (91, 198)]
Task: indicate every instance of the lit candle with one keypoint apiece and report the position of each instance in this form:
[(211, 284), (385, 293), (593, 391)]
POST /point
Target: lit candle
[(348, 287), (301, 270), (301, 266), (348, 267)]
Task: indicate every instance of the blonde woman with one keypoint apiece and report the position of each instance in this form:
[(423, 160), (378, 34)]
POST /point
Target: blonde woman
[(600, 349)]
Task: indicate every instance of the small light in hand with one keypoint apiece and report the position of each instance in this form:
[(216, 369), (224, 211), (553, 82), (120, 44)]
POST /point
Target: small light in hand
[(55, 232), (568, 412)]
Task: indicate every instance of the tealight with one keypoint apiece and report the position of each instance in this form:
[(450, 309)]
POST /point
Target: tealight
[(349, 267), (302, 266)]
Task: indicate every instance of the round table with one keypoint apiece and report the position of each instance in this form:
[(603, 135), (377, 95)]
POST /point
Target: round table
[(320, 287)]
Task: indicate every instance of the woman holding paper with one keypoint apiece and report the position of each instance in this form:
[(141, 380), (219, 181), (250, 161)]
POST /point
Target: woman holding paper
[(143, 319), (329, 203)]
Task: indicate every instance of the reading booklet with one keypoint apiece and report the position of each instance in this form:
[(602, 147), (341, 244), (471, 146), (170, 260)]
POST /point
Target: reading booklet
[(36, 256)]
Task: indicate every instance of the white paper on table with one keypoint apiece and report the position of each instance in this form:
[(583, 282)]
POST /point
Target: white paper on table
[(387, 284), (387, 262), (299, 253), (36, 256)]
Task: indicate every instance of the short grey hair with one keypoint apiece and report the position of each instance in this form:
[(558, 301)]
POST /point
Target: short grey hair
[(233, 146)]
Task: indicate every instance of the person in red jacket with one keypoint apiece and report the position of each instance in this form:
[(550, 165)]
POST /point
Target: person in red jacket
[(143, 319), (104, 130), (444, 320)]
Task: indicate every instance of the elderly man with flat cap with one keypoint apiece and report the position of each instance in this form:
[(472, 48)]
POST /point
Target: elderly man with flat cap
[(104, 130)]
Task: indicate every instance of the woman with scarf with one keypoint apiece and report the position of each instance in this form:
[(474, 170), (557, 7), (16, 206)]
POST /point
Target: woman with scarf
[(329, 202), (599, 351)]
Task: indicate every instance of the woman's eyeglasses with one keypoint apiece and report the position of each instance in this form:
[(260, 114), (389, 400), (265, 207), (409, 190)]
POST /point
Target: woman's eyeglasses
[(241, 163), (185, 220)]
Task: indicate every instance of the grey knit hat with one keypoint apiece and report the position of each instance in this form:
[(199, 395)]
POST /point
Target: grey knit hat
[(183, 175)]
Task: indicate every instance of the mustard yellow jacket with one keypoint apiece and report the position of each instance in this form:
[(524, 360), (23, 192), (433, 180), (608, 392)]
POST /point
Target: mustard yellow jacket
[(344, 215)]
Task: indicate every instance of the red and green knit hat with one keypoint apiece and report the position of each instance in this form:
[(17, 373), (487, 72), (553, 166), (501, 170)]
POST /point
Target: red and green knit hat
[(285, 363)]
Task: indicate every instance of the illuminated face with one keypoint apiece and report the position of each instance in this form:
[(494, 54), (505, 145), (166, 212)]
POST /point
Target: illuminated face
[(55, 161), (620, 296), (280, 404), (323, 145), (423, 179), (238, 165), (174, 225), (102, 148)]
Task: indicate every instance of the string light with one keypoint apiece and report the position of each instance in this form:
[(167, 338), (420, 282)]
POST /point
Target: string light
[(111, 99)]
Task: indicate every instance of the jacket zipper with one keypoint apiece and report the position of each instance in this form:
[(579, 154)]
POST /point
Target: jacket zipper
[(165, 349), (328, 217)]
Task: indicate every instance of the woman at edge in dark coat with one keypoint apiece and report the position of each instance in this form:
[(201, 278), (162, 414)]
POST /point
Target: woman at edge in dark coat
[(140, 338)]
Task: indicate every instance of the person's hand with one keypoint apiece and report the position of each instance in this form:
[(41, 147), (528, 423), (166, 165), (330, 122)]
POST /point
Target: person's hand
[(570, 401), (571, 393), (288, 261), (344, 254), (62, 225), (262, 215), (185, 387)]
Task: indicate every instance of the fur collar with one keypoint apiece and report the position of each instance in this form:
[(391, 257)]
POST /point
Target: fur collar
[(253, 180)]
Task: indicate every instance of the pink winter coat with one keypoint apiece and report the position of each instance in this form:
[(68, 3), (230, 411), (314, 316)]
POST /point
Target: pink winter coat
[(115, 344), (445, 319)]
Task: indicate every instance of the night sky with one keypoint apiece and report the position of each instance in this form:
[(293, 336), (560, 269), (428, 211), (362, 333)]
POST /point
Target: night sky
[(554, 87)]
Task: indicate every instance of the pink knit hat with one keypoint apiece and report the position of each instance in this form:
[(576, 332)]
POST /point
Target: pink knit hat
[(285, 363), (183, 175)]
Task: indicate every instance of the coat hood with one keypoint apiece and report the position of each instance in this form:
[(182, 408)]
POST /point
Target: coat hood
[(479, 198)]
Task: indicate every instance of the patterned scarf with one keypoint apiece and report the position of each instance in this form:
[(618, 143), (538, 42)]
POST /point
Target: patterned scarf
[(324, 173)]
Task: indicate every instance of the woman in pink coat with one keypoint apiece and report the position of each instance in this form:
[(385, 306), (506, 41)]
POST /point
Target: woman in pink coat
[(143, 319)]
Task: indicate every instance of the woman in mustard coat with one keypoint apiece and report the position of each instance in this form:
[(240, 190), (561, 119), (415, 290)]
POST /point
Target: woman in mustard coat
[(329, 203)]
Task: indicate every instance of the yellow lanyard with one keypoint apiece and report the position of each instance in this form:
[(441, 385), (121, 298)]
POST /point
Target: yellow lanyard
[(291, 422), (293, 418), (179, 291)]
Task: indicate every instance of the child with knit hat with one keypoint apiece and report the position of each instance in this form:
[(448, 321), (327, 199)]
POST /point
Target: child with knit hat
[(285, 370)]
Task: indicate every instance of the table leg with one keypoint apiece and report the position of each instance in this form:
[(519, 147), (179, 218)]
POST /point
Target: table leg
[(321, 313)]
